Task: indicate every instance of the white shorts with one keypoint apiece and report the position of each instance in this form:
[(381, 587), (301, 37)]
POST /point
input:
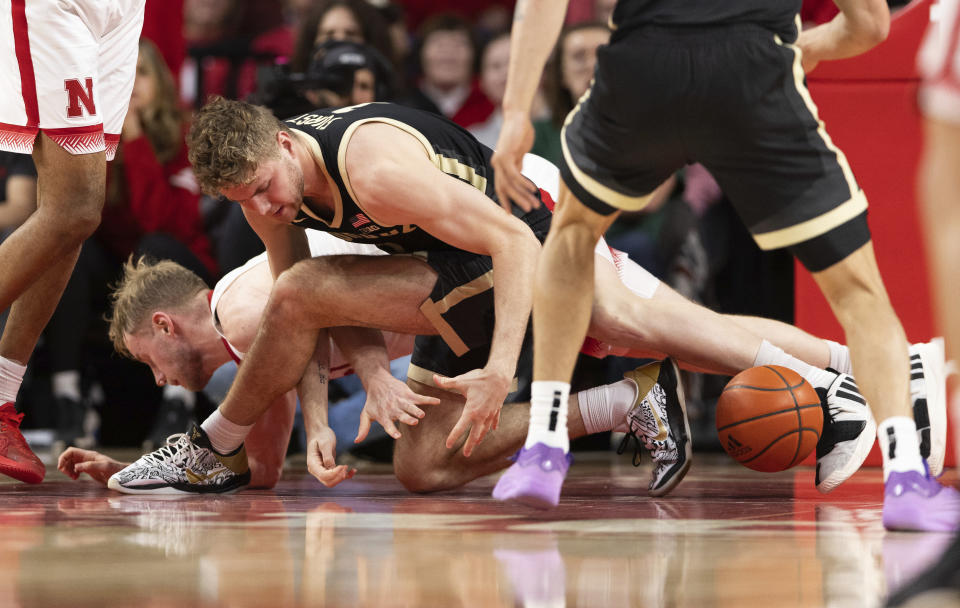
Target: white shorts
[(939, 64), (67, 69)]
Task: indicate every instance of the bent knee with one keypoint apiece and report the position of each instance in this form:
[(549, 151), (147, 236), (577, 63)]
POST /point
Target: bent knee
[(286, 296), (419, 475), (71, 228), (265, 475), (84, 224), (423, 482)]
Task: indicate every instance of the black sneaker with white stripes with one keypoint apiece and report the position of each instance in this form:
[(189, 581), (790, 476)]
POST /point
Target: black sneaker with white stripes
[(848, 432), (928, 395)]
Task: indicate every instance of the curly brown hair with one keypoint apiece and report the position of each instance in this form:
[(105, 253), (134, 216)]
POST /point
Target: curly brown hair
[(228, 140), (148, 286)]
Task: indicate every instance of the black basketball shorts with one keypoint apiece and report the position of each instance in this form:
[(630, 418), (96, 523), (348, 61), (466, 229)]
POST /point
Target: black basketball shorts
[(734, 99), (461, 308)]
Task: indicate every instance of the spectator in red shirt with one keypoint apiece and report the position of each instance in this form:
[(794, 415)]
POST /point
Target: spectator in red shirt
[(449, 85)]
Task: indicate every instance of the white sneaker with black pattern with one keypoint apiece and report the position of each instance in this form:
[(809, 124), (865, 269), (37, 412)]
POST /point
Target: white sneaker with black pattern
[(188, 464)]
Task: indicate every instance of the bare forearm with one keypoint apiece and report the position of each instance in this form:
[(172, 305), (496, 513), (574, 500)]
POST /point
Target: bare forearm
[(286, 244), (536, 26), (513, 298), (313, 387), (364, 349), (857, 29)]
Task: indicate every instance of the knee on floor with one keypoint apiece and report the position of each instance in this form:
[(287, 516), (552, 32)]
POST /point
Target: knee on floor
[(421, 479), (264, 475)]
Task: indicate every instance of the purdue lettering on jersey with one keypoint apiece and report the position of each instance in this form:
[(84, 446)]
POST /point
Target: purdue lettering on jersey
[(452, 149)]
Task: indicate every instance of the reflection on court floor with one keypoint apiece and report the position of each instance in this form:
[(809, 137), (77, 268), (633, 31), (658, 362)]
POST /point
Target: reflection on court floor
[(727, 537)]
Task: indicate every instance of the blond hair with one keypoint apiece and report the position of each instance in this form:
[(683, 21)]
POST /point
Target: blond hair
[(146, 287), (228, 139)]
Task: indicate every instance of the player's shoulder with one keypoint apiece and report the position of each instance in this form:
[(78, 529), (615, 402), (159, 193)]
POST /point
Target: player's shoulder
[(241, 303)]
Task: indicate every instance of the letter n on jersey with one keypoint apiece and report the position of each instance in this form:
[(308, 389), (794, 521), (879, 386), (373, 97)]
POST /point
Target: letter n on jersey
[(79, 94)]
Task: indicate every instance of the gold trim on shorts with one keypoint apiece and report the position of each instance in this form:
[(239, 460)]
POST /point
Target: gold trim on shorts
[(822, 224), (434, 311), (604, 193), (798, 78)]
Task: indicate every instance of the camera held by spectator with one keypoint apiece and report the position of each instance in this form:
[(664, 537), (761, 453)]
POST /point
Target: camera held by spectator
[(341, 73)]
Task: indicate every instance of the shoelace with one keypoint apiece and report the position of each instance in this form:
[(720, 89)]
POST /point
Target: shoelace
[(653, 447), (637, 460), (175, 445)]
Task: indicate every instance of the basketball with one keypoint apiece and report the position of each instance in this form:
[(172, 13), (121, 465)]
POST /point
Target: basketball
[(769, 418)]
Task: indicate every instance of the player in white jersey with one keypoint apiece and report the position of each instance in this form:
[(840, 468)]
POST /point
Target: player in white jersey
[(216, 326), (67, 68)]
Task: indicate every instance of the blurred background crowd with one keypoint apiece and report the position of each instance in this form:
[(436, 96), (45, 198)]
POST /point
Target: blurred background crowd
[(445, 57)]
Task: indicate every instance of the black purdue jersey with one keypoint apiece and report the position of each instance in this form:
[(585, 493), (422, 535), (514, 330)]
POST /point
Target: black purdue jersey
[(777, 15), (453, 150)]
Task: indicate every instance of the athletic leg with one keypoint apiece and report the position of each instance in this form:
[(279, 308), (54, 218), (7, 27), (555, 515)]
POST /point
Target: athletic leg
[(695, 335), (645, 403), (268, 441), (320, 293), (39, 256), (878, 347), (423, 463), (563, 293), (35, 265)]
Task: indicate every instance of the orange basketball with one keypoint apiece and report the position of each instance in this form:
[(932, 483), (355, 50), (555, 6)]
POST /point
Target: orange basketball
[(769, 418)]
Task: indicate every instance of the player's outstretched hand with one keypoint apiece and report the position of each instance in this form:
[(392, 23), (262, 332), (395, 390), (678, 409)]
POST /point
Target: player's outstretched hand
[(390, 399), (74, 461), (516, 139), (484, 392), (321, 448)]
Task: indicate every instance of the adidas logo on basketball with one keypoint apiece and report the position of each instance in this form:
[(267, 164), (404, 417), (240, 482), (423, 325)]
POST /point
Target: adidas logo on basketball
[(735, 448)]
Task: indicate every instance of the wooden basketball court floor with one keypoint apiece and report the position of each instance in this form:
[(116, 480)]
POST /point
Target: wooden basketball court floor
[(726, 537)]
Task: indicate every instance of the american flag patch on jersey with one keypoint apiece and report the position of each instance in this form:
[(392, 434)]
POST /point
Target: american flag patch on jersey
[(359, 220)]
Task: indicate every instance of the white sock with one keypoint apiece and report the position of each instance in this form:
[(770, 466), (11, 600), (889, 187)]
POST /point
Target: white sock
[(899, 445), (604, 408), (839, 357), (225, 436), (66, 385), (548, 415), (172, 392), (11, 377), (768, 354)]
